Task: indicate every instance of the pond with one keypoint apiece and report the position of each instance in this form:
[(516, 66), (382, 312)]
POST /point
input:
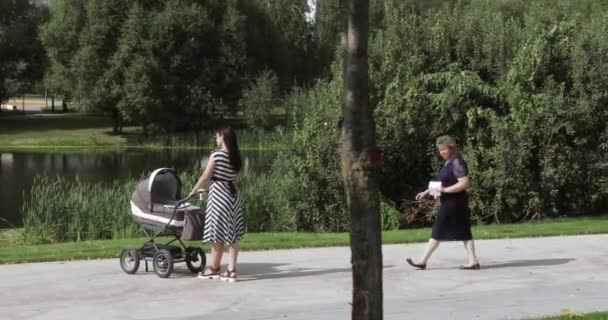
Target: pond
[(18, 169)]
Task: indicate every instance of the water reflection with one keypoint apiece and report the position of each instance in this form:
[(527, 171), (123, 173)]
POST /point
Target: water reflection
[(18, 169)]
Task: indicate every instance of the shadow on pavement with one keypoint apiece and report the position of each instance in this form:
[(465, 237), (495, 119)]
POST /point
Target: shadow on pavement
[(527, 263), (267, 271)]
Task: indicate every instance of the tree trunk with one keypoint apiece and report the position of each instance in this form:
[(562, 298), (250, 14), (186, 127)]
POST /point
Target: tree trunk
[(53, 103), (360, 161), (117, 121)]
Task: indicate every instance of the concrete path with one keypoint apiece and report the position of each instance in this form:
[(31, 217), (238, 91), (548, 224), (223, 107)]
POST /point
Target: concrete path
[(519, 278)]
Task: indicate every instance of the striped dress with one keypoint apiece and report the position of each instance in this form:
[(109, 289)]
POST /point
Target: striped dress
[(224, 213)]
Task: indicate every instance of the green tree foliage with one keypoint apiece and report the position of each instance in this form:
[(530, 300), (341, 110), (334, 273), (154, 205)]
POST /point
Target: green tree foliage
[(505, 84), (521, 84), (259, 99), (60, 37), (186, 54), (21, 53), (308, 162), (279, 38), (172, 65), (327, 31)]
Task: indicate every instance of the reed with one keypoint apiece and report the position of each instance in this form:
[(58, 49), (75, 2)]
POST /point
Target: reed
[(264, 207), (60, 209)]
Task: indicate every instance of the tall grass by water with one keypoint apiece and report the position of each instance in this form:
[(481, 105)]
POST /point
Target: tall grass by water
[(60, 209)]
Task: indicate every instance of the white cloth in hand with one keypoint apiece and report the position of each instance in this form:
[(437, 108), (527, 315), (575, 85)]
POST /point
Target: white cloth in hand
[(434, 187)]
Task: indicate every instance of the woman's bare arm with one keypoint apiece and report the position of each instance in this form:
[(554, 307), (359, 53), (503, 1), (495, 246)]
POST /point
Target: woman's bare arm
[(461, 185), (205, 176)]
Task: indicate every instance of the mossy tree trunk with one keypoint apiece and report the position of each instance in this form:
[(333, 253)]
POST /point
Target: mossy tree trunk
[(360, 161)]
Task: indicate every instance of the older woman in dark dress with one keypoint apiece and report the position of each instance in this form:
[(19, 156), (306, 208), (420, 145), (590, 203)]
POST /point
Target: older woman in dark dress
[(453, 219)]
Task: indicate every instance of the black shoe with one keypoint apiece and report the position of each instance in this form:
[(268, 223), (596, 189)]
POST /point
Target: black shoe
[(473, 267), (421, 266)]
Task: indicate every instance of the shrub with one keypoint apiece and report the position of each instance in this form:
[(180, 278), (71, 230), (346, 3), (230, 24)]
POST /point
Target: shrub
[(308, 159), (259, 99)]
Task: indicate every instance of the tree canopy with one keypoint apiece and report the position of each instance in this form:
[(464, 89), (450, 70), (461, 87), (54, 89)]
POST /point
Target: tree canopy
[(520, 83), (22, 56)]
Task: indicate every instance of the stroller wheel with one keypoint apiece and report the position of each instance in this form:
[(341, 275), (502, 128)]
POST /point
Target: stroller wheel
[(195, 259), (163, 263), (129, 260)]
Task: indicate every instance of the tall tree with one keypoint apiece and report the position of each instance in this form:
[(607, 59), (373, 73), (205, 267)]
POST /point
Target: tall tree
[(60, 37), (279, 38), (98, 41), (360, 161), (327, 27), (21, 53)]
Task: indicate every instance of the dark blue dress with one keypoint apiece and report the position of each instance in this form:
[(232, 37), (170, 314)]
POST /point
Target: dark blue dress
[(453, 220)]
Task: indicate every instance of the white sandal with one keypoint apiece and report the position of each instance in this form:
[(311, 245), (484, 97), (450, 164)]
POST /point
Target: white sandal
[(228, 276), (210, 273)]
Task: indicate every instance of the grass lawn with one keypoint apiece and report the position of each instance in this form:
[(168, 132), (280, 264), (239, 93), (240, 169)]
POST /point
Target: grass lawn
[(13, 252), (58, 131), (51, 131), (33, 99), (571, 315)]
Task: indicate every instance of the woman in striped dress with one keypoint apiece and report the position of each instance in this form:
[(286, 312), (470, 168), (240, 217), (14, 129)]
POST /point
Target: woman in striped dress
[(224, 215)]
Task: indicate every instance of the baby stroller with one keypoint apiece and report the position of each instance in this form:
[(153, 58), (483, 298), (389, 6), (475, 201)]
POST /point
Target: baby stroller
[(157, 206)]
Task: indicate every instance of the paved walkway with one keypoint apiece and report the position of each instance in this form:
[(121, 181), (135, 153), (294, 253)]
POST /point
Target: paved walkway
[(519, 278)]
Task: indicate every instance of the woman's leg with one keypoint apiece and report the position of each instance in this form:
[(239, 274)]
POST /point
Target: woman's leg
[(216, 254), (213, 270), (469, 246), (233, 254), (430, 248), (230, 274)]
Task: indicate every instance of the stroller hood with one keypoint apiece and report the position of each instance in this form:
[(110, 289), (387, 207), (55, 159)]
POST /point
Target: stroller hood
[(162, 186), (153, 205)]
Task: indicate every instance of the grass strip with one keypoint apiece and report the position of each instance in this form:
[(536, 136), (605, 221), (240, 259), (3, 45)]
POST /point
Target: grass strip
[(12, 252), (571, 315)]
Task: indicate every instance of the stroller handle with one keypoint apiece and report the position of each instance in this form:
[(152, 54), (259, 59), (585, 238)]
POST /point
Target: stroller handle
[(179, 203), (182, 201)]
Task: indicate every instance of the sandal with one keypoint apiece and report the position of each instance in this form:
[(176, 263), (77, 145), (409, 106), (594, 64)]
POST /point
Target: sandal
[(210, 273), (228, 276)]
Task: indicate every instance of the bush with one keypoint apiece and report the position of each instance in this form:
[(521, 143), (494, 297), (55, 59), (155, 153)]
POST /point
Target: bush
[(390, 217), (308, 159), (265, 207), (522, 93), (259, 99)]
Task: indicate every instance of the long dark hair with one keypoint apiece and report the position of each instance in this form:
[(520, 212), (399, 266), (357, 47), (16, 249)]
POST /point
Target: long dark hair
[(233, 148)]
